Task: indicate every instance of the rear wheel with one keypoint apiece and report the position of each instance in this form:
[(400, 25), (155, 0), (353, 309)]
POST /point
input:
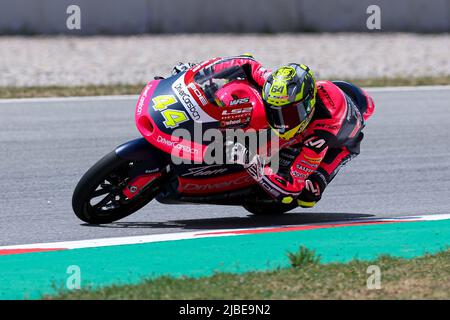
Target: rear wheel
[(98, 196), (268, 209)]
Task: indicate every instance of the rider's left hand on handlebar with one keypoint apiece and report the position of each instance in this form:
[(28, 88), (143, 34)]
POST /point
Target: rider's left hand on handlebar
[(236, 153), (181, 66)]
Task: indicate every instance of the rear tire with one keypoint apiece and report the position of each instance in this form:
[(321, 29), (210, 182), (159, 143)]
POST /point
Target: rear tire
[(110, 175), (266, 209)]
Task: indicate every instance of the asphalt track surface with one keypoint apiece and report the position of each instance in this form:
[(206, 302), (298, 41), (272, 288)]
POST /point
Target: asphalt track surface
[(47, 144)]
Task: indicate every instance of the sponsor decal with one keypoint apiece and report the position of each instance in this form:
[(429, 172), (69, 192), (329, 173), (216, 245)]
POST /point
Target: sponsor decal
[(142, 99), (189, 103), (218, 186), (205, 64), (236, 116), (327, 126), (285, 73), (198, 93), (304, 168), (186, 98), (285, 162), (326, 95), (236, 111), (232, 123), (205, 171), (313, 160), (309, 164), (281, 126), (315, 142), (299, 175), (239, 101), (314, 189), (176, 145), (147, 171), (295, 173), (269, 188), (353, 111)]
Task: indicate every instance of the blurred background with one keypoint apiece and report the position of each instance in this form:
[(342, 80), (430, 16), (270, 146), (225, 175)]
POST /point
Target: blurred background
[(237, 16), (105, 42)]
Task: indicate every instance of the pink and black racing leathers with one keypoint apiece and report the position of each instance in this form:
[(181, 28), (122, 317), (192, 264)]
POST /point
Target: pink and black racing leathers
[(331, 139)]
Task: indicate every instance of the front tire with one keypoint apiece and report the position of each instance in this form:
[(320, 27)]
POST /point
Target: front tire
[(104, 182)]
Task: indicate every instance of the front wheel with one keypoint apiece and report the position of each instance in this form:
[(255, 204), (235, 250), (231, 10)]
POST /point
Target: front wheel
[(98, 196)]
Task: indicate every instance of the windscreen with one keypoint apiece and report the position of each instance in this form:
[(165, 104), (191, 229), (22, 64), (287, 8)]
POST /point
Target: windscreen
[(212, 78)]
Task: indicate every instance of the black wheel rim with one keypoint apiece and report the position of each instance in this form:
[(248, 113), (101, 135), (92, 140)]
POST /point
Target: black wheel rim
[(108, 195)]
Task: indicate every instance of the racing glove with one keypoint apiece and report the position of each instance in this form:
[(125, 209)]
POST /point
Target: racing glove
[(180, 67), (312, 192), (237, 153)]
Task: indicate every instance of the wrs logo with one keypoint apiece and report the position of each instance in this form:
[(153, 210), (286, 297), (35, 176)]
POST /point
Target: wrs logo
[(239, 101)]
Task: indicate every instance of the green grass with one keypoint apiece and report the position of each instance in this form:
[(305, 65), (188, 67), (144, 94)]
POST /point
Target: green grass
[(303, 258), (395, 82), (426, 277), (61, 91), (117, 89)]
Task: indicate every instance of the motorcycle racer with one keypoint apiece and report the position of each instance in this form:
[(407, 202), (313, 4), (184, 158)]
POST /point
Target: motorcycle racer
[(321, 121)]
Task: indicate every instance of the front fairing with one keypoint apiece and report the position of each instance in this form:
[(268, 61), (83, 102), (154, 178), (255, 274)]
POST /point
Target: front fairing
[(165, 111), (176, 101), (174, 115)]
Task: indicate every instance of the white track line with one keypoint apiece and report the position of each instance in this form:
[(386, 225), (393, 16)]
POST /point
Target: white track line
[(90, 243)]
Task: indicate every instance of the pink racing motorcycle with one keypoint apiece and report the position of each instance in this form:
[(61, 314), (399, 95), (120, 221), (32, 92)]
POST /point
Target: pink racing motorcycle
[(168, 163)]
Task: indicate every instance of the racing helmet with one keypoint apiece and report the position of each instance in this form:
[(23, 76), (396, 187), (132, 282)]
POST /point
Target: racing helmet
[(289, 96)]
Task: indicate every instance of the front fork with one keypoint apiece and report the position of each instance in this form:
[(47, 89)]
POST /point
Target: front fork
[(136, 185), (147, 166)]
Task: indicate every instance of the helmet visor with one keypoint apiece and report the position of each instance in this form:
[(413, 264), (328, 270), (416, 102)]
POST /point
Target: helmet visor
[(287, 117)]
